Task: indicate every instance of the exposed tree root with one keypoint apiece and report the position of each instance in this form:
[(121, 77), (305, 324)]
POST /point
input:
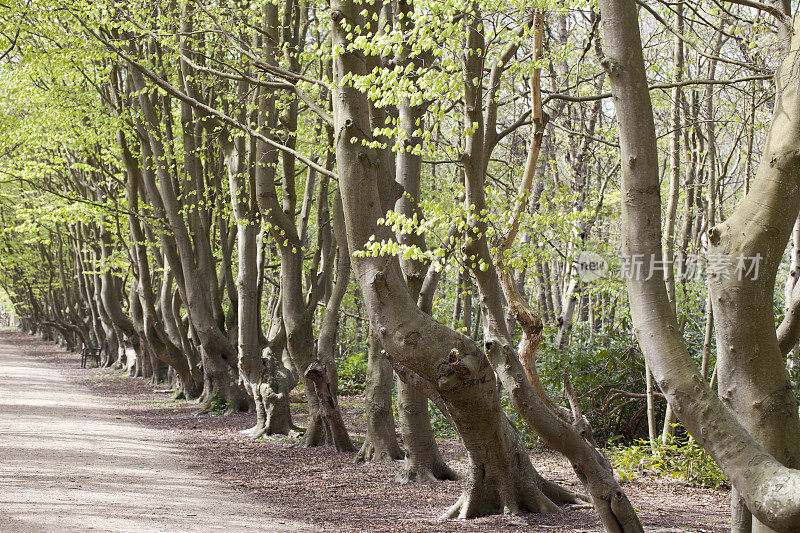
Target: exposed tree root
[(559, 494), (276, 420), (431, 470), (484, 496), (271, 397), (501, 477), (316, 434), (378, 449)]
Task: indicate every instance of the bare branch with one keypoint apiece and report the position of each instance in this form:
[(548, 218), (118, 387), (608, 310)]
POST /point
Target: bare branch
[(772, 10), (655, 86)]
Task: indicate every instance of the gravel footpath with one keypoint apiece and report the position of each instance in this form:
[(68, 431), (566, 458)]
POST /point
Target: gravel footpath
[(70, 462)]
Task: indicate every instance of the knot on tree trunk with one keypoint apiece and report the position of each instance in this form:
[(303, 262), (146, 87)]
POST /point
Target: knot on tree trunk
[(457, 363), (457, 370)]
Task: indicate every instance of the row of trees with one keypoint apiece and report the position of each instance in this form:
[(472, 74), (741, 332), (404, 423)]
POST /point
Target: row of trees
[(193, 186)]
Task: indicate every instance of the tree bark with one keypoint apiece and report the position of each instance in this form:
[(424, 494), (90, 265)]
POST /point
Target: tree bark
[(380, 443), (192, 258), (158, 340), (675, 158), (317, 374), (788, 331), (423, 460), (267, 381)]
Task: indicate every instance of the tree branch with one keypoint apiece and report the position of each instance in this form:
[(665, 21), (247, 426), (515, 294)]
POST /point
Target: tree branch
[(655, 86), (222, 117)]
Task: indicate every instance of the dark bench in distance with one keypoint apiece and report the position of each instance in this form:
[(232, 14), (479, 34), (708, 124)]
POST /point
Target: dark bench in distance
[(90, 353)]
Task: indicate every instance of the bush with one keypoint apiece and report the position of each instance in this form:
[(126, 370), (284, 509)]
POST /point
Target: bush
[(601, 363), (352, 373), (598, 363), (681, 459), (442, 428), (218, 406), (529, 439)]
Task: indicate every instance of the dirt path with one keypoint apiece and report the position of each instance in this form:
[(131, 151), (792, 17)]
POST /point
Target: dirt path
[(68, 462)]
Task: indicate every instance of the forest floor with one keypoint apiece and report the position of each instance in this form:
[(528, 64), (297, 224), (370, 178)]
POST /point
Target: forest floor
[(327, 489)]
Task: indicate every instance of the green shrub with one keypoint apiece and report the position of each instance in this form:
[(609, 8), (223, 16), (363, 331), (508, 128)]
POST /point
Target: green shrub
[(442, 428), (529, 439), (600, 363), (218, 405), (681, 459), (352, 372), (597, 363)]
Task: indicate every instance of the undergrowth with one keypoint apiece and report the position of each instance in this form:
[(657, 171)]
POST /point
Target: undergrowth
[(352, 373), (681, 458), (218, 405)]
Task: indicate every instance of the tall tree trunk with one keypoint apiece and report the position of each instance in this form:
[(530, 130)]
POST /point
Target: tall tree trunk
[(672, 205), (156, 336), (423, 460), (675, 157), (218, 354), (380, 443), (265, 378)]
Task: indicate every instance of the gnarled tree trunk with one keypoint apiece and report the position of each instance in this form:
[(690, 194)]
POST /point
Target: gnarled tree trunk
[(447, 365)]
